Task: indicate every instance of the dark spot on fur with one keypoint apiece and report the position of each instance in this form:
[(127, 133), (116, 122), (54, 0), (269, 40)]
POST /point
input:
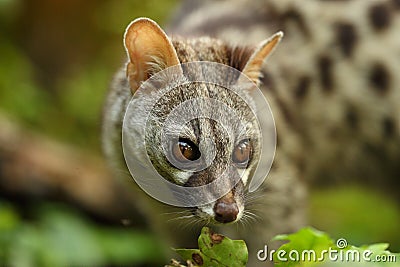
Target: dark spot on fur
[(301, 165), (285, 111), (352, 118), (379, 16), (396, 3), (379, 77), (297, 18), (333, 132), (325, 67), (388, 127), (347, 37), (197, 258), (302, 87), (287, 211), (240, 21)]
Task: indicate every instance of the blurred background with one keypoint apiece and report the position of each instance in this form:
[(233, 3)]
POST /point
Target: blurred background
[(58, 204)]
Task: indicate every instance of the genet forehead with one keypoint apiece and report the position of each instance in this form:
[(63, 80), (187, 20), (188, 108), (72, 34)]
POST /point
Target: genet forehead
[(235, 94), (197, 110), (199, 129), (191, 94)]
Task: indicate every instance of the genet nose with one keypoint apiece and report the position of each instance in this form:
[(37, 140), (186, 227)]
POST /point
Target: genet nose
[(225, 211)]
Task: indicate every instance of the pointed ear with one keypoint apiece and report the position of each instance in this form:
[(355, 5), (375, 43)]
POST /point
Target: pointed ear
[(149, 50), (252, 69)]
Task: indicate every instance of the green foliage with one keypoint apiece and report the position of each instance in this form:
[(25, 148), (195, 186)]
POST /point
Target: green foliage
[(309, 247), (61, 237), (68, 105), (216, 251), (72, 115), (304, 239), (19, 94), (111, 15), (347, 210)]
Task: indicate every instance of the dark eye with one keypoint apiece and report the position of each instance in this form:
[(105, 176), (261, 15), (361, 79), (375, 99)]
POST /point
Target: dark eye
[(185, 150), (242, 153)]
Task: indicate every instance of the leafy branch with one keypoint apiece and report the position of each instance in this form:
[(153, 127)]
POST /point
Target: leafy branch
[(307, 247)]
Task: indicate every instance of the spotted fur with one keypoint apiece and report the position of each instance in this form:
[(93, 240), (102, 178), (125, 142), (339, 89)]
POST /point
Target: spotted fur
[(333, 86), (333, 81)]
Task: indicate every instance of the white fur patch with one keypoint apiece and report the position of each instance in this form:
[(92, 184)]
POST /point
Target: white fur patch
[(208, 209), (182, 177), (245, 176)]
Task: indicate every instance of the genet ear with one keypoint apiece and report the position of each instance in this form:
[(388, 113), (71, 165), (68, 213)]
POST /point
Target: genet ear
[(149, 50), (252, 69)]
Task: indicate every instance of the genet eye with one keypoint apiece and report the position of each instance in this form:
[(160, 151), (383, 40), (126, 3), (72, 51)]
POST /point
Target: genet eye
[(185, 150), (242, 153)]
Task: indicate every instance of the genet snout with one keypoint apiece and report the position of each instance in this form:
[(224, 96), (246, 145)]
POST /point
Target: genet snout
[(225, 209)]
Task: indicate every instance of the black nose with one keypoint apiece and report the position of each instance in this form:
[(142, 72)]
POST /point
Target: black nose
[(225, 211)]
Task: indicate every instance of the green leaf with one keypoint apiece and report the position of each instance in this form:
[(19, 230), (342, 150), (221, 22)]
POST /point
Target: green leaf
[(329, 253), (300, 246), (216, 250)]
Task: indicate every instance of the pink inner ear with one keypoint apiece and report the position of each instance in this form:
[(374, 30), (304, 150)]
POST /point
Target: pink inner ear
[(144, 41)]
